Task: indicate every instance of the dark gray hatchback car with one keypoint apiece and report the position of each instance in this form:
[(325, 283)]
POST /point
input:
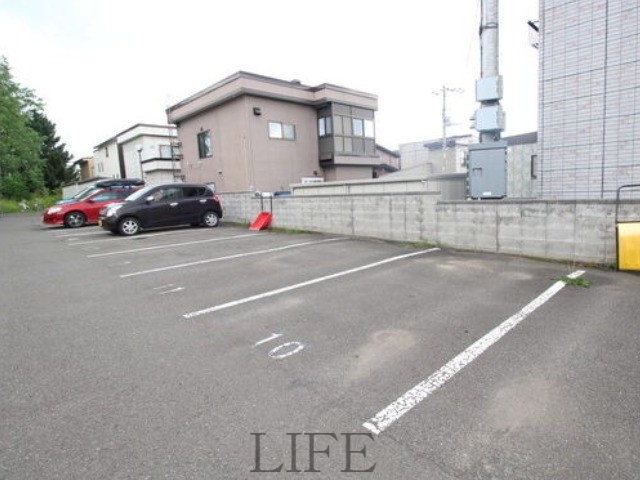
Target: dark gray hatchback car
[(166, 205)]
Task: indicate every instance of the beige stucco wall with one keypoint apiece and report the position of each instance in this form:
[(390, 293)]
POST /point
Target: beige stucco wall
[(244, 157)]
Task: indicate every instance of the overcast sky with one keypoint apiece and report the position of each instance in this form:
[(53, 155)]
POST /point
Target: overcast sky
[(102, 66)]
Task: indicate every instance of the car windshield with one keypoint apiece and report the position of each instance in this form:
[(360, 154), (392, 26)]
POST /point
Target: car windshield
[(85, 192), (143, 192)]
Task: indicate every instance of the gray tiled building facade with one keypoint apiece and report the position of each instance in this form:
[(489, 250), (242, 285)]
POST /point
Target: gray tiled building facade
[(589, 98)]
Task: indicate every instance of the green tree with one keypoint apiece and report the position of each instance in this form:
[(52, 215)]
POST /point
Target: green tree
[(55, 156), (21, 168)]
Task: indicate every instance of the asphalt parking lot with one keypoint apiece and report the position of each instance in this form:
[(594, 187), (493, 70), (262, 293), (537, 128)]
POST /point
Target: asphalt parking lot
[(227, 353)]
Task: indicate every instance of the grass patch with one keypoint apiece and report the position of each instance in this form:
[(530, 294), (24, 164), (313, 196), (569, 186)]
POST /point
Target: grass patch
[(289, 230), (575, 282), (36, 204), (420, 244), (9, 206)]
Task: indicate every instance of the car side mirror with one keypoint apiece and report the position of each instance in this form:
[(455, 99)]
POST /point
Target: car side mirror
[(149, 199)]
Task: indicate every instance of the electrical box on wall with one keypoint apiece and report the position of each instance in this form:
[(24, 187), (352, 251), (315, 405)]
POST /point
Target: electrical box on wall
[(487, 173), (489, 119), (489, 89)]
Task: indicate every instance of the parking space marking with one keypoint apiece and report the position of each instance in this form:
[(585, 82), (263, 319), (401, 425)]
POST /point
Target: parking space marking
[(168, 289), (290, 348), (273, 336), (172, 245), (113, 238), (296, 286), (228, 257), (78, 234), (422, 390), (119, 264), (173, 290)]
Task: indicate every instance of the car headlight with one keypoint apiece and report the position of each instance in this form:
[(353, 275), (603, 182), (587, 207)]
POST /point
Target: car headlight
[(111, 210), (54, 209)]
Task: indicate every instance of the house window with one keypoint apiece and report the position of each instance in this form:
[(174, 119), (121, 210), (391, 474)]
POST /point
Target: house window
[(534, 166), (165, 151), (369, 129), (204, 144), (357, 124), (363, 128), (289, 131), (324, 126), (280, 130)]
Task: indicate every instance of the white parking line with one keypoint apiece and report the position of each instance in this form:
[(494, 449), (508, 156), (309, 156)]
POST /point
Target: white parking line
[(413, 397), (303, 284), (171, 245), (78, 234), (273, 336), (173, 290), (113, 238), (228, 257)]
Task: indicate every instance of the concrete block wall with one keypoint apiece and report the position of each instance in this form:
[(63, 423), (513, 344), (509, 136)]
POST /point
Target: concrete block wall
[(569, 230)]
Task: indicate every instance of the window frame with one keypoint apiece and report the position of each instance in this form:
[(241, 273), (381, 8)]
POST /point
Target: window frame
[(278, 130), (205, 150), (325, 126), (357, 127)]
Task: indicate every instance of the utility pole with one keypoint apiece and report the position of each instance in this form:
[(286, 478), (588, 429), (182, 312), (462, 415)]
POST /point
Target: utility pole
[(445, 120), (487, 176)]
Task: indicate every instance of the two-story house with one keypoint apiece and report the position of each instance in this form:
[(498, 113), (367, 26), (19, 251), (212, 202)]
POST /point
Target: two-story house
[(251, 132)]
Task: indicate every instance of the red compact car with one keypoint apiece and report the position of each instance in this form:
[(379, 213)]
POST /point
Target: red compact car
[(85, 209)]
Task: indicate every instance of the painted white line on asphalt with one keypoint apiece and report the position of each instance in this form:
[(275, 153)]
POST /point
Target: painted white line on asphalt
[(172, 245), (268, 339), (173, 290), (77, 234), (278, 291), (121, 238), (112, 238), (228, 257), (119, 264), (413, 397), (297, 346)]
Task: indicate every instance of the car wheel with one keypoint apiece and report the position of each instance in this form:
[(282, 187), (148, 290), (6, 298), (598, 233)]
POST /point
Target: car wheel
[(210, 219), (129, 226), (74, 219)]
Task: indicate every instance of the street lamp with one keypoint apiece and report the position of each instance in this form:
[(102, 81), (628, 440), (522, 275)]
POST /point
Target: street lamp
[(139, 150)]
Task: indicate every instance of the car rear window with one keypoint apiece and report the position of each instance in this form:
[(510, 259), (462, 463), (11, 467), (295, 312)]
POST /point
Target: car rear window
[(172, 193), (194, 191)]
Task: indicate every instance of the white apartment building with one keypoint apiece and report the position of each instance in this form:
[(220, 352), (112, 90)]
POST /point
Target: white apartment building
[(150, 152)]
